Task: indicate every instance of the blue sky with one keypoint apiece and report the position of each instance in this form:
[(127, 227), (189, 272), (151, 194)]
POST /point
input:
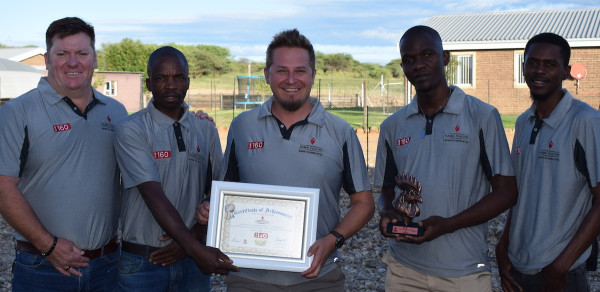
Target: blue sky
[(368, 30)]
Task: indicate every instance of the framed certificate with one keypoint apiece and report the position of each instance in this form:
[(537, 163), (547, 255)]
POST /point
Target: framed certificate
[(263, 226)]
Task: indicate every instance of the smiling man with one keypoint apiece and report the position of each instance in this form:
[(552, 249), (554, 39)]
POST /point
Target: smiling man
[(556, 155), (168, 158), (286, 125), (59, 181), (454, 145)]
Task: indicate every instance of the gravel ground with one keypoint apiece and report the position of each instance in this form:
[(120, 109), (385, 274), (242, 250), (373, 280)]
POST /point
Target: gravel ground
[(361, 256)]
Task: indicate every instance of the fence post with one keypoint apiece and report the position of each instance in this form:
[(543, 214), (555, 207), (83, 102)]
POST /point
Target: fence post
[(365, 106)]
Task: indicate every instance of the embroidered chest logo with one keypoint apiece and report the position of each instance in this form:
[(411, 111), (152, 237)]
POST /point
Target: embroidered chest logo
[(456, 128), (196, 156), (256, 145), (518, 150), (312, 141), (403, 141), (162, 154), (198, 148), (108, 118), (108, 125), (549, 154), (62, 128), (550, 144)]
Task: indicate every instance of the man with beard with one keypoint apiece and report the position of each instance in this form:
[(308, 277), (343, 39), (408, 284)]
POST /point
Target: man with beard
[(286, 125), (454, 145), (556, 155), (168, 158)]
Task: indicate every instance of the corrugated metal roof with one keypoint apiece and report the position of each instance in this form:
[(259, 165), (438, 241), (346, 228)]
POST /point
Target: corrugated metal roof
[(517, 26), (8, 65), (20, 54)]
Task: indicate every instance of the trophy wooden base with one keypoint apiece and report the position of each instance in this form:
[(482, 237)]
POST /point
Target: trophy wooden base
[(412, 229)]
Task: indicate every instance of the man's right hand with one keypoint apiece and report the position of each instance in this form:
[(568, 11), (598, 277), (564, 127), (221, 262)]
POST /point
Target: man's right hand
[(67, 257), (202, 212), (504, 267), (212, 260), (387, 217)]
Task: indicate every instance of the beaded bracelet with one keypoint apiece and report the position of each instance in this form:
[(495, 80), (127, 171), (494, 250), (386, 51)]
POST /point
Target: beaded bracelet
[(47, 254)]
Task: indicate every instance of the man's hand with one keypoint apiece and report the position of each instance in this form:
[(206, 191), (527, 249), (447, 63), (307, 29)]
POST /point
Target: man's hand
[(387, 217), (202, 212), (435, 226), (504, 267), (211, 260), (321, 250), (169, 254), (202, 115), (67, 257)]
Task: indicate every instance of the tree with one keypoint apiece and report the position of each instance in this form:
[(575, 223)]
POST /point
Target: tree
[(395, 67), (127, 55), (338, 62)]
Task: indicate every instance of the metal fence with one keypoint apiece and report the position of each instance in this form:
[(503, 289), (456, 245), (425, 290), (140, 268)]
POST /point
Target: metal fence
[(364, 103)]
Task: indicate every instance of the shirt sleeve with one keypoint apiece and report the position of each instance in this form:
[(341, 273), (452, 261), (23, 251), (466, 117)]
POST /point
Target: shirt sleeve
[(13, 139), (496, 145), (356, 177), (385, 164), (589, 137), (134, 156)]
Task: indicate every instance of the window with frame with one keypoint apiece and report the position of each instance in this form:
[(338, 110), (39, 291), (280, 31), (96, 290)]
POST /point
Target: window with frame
[(464, 70), (519, 78), (110, 88)]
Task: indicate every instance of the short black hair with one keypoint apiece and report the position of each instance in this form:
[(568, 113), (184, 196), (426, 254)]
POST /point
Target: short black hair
[(551, 38), (69, 26), (293, 39), (422, 29), (166, 51)]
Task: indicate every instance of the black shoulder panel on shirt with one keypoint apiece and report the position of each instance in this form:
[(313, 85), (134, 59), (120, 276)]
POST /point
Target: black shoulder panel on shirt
[(390, 168), (347, 172), (233, 172), (208, 184), (580, 162), (485, 162), (24, 151)]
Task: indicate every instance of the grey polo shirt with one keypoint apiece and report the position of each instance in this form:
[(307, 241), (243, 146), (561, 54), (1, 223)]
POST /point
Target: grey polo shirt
[(184, 156), (453, 155), (556, 160), (65, 161), (321, 152)]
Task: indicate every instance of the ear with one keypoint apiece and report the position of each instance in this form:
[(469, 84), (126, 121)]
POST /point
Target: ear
[(266, 72), (446, 55), (148, 84), (46, 59), (567, 72)]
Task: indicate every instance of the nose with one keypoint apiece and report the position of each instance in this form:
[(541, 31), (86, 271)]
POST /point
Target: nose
[(72, 60), (291, 77)]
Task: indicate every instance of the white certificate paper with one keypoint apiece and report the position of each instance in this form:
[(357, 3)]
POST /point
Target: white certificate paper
[(263, 226)]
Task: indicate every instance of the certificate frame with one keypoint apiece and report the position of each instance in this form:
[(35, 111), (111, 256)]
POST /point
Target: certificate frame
[(252, 241)]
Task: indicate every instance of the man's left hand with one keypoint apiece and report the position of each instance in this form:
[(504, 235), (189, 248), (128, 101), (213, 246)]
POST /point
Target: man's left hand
[(169, 254), (202, 115), (553, 278), (321, 250), (435, 226)]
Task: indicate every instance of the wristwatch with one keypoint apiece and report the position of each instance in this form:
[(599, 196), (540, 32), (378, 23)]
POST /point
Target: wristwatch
[(339, 241)]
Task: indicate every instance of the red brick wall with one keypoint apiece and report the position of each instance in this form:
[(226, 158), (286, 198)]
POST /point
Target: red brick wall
[(494, 80)]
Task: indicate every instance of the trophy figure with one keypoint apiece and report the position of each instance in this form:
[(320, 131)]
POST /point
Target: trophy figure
[(406, 205)]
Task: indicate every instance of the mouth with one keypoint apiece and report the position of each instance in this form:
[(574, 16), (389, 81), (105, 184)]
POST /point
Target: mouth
[(73, 73), (291, 89)]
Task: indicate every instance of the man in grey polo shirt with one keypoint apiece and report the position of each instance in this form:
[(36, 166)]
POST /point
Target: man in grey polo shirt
[(59, 181), (168, 158), (556, 155), (455, 146), (291, 140)]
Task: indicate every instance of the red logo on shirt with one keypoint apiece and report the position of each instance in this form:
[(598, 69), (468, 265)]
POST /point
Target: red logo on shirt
[(403, 141), (162, 154), (198, 148), (62, 128), (551, 144), (256, 145), (457, 128), (312, 141), (518, 150), (108, 118)]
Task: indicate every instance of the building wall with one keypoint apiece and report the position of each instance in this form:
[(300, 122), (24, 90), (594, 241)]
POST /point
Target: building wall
[(128, 89), (37, 60), (495, 80)]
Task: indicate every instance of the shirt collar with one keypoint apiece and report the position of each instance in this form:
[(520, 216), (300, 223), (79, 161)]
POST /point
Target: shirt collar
[(52, 97), (163, 120), (316, 116), (455, 104), (558, 113)]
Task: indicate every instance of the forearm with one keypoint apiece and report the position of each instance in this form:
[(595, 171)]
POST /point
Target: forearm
[(586, 233), (503, 196), (18, 213), (166, 215), (359, 214), (386, 197)]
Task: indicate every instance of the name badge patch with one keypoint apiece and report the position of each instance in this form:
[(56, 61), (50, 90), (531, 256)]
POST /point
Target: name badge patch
[(256, 145), (162, 154), (456, 137), (62, 128)]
